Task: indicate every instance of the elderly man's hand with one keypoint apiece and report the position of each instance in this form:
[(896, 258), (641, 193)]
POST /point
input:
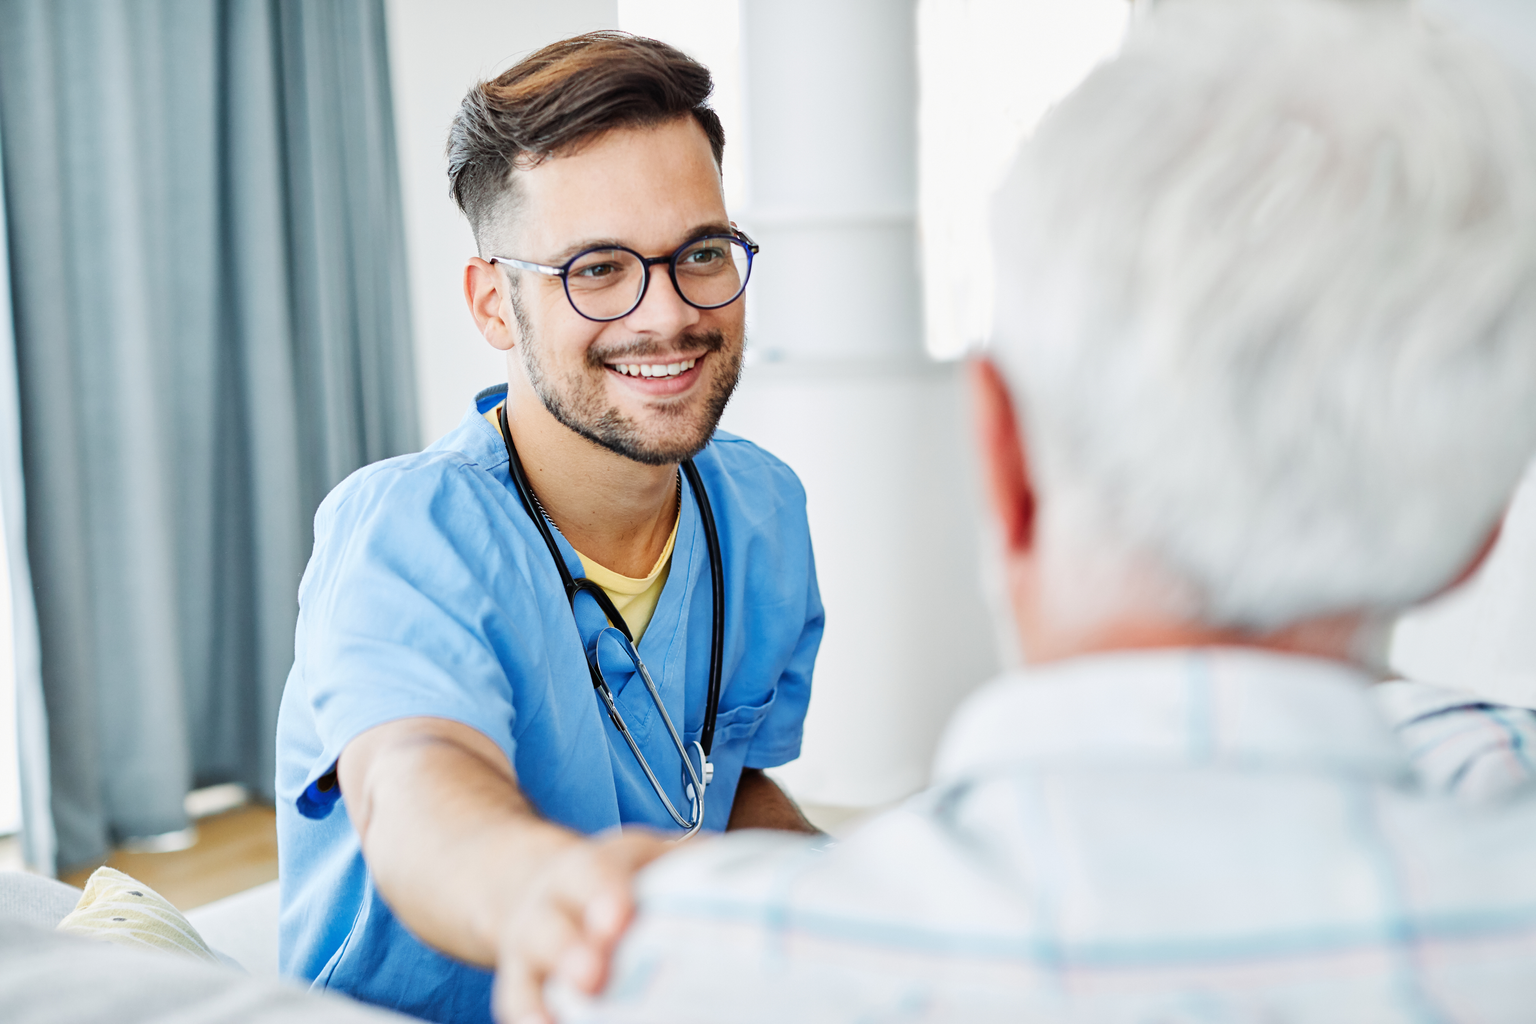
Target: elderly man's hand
[(569, 922)]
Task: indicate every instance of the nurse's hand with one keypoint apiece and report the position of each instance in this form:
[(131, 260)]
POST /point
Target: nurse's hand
[(569, 921), (466, 863)]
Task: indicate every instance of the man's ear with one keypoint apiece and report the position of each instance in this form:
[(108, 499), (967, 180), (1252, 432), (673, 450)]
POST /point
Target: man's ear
[(1004, 464), (485, 290)]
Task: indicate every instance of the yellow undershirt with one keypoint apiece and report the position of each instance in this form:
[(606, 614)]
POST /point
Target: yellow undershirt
[(635, 599)]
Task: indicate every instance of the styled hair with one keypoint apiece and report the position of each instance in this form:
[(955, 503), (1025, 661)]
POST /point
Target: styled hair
[(559, 97), (1266, 296)]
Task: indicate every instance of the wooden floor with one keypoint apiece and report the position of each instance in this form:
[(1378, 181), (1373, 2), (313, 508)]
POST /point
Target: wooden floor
[(234, 851), (238, 849)]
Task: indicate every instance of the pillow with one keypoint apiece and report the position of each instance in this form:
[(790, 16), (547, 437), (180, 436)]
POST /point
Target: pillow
[(117, 909), (35, 899)]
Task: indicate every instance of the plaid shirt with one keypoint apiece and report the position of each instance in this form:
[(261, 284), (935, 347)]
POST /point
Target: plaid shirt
[(1462, 744), (1215, 835)]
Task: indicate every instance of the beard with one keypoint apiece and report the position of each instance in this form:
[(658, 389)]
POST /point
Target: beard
[(579, 402)]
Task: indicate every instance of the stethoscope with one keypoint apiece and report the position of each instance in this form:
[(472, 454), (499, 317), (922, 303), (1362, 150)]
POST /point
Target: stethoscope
[(617, 631)]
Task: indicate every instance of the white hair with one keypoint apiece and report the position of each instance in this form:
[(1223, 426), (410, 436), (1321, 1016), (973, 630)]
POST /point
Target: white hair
[(1267, 299)]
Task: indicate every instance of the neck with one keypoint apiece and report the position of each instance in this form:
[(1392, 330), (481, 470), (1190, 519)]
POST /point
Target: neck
[(1047, 635), (1337, 638), (615, 511)]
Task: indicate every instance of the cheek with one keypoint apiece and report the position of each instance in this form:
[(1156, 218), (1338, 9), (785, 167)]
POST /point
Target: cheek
[(546, 310), (563, 337), (730, 321)]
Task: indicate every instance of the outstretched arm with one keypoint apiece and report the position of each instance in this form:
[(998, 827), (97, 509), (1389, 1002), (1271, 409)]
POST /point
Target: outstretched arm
[(467, 864), (760, 803)]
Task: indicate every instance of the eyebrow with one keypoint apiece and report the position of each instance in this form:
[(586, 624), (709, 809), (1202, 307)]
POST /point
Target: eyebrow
[(713, 228)]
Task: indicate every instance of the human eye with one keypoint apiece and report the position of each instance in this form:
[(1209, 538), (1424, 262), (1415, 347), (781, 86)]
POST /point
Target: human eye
[(596, 269), (704, 256)]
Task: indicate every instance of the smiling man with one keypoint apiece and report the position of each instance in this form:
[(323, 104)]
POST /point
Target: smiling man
[(582, 609)]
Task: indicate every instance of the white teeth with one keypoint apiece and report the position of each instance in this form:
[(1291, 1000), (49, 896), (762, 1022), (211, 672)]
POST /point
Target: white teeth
[(654, 369)]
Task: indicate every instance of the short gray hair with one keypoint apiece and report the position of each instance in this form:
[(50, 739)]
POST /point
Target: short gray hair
[(1267, 298)]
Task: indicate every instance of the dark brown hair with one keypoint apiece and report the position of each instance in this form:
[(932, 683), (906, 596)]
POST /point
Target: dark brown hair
[(557, 98)]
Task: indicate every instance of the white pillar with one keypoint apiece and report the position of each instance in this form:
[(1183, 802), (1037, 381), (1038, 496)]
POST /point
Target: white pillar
[(838, 387), (831, 113)]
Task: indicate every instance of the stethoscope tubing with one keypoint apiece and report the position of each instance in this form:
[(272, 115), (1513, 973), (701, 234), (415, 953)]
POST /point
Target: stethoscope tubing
[(574, 586), (717, 602)]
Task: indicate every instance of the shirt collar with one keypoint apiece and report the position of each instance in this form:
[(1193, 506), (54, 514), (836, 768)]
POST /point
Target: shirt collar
[(1196, 707), (474, 438)]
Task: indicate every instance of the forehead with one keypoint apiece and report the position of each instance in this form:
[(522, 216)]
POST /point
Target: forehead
[(647, 187)]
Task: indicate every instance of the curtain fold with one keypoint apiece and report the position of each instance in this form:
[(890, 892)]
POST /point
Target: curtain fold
[(211, 331), (37, 836)]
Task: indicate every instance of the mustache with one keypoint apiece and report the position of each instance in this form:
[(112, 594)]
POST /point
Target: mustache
[(702, 342)]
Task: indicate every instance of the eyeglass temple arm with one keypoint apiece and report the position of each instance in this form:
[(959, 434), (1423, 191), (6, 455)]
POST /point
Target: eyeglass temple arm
[(748, 239), (537, 268)]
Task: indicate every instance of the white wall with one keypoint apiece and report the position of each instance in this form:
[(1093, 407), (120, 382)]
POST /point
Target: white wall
[(1482, 637), (437, 50), (990, 70)]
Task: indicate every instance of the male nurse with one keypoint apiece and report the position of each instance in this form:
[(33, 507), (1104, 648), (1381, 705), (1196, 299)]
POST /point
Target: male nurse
[(454, 787)]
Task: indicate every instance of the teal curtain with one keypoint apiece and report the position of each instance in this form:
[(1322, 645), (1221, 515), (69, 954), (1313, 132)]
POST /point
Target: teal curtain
[(209, 305)]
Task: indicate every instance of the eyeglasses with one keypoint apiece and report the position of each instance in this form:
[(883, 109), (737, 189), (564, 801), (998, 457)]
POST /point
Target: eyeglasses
[(608, 282)]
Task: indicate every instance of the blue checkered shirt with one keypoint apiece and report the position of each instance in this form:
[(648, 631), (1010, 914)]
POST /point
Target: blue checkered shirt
[(1460, 743), (1180, 837)]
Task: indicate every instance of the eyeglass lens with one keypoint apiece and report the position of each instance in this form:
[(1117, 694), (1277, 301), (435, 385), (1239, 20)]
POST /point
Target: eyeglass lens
[(605, 284)]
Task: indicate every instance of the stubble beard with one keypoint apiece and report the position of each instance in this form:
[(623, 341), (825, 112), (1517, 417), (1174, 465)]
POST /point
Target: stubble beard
[(581, 407)]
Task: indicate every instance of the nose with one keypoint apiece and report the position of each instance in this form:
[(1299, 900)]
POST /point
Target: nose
[(662, 312)]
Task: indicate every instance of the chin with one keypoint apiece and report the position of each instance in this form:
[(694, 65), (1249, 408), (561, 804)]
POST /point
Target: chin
[(664, 448)]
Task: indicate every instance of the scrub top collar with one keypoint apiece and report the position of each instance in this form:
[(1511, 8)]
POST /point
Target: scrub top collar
[(663, 646)]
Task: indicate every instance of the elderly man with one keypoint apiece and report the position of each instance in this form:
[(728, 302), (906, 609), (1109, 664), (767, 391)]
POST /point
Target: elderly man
[(1264, 375)]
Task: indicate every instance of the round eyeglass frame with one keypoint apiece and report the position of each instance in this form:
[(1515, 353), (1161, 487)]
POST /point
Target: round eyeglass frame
[(646, 262)]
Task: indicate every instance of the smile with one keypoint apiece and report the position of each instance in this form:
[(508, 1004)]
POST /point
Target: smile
[(653, 369)]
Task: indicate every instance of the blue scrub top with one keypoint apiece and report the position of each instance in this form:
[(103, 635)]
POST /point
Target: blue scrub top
[(431, 593)]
